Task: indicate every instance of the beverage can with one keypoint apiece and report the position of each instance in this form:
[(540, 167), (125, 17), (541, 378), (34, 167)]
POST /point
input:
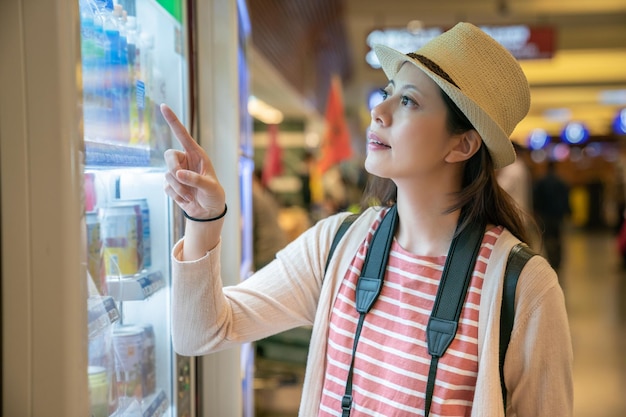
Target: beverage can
[(90, 192), (149, 360), (95, 256), (98, 350), (121, 240), (101, 356), (98, 391), (128, 342), (143, 228)]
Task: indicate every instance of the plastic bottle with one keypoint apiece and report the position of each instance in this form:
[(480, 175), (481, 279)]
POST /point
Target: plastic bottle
[(132, 42), (138, 89), (93, 61), (124, 74), (160, 133), (146, 84), (129, 6), (116, 77)]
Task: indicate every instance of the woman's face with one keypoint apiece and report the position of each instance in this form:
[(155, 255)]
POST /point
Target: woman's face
[(408, 138)]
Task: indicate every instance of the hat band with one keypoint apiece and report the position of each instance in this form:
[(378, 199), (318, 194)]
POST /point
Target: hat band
[(431, 65)]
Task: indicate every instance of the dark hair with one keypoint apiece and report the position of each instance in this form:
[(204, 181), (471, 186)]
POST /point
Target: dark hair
[(481, 198)]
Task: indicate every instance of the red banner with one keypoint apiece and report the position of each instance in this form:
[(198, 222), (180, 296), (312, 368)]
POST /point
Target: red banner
[(336, 145), (272, 164)]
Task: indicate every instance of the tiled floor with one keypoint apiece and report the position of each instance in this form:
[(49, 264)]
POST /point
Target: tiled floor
[(595, 291)]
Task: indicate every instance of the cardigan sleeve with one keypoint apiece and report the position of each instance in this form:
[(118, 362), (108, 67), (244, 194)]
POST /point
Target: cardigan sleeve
[(538, 364), (207, 317)]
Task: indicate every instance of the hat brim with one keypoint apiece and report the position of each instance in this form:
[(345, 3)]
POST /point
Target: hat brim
[(495, 138)]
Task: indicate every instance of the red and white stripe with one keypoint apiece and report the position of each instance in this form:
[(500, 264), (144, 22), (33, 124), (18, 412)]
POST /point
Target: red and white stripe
[(392, 360)]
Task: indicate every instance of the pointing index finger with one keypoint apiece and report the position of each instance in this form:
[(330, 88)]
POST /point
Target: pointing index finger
[(178, 128)]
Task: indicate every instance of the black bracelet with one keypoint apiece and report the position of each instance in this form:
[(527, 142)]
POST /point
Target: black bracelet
[(207, 220)]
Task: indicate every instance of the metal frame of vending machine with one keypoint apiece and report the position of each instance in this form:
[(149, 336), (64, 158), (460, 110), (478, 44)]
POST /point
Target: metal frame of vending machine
[(44, 355), (246, 171), (217, 127), (42, 161)]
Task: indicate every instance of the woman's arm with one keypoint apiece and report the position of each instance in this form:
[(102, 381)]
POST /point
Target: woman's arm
[(538, 365), (207, 317)]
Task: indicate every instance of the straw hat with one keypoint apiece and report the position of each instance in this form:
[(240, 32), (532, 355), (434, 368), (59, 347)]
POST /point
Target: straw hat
[(493, 92)]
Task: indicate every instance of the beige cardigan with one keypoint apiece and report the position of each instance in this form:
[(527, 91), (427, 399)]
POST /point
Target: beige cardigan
[(292, 291)]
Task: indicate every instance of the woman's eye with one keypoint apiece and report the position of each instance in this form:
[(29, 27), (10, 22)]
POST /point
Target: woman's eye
[(407, 101), (383, 94)]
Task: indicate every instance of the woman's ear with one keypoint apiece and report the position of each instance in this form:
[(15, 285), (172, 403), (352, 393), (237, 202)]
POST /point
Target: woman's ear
[(467, 144)]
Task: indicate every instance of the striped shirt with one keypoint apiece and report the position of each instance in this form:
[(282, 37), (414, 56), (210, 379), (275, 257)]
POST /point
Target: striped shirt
[(392, 361)]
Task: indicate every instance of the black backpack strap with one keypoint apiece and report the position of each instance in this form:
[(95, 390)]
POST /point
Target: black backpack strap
[(443, 323), (368, 287), (518, 256), (441, 330), (455, 279), (370, 281), (343, 227)]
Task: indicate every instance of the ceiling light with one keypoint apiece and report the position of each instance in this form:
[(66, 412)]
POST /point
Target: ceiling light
[(538, 139), (575, 133), (617, 97), (262, 111), (559, 115)]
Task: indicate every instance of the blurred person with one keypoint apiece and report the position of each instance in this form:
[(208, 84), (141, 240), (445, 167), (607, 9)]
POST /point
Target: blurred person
[(335, 191), (433, 146), (621, 240), (516, 180), (308, 164), (551, 206), (267, 235), (619, 199)]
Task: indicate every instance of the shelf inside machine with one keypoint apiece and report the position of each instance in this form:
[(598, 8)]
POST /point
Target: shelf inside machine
[(135, 287), (101, 313)]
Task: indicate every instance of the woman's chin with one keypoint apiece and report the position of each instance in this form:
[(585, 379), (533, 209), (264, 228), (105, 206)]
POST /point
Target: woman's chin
[(372, 167)]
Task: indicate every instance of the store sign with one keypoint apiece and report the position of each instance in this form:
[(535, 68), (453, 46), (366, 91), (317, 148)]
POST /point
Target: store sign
[(524, 42)]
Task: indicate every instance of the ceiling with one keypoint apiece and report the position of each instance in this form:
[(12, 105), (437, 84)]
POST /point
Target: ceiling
[(297, 44)]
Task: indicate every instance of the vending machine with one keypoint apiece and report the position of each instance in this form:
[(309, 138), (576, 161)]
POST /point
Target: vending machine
[(133, 56), (86, 227)]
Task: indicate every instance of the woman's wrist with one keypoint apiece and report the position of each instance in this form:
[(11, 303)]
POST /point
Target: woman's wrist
[(210, 219), (201, 237)]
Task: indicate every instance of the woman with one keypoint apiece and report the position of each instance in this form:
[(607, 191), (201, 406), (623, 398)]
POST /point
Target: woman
[(434, 143)]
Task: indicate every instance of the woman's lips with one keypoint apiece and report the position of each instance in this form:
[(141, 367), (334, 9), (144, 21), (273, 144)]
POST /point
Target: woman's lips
[(374, 142)]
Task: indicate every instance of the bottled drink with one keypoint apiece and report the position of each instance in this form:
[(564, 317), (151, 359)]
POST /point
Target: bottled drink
[(160, 133), (138, 87), (145, 87), (116, 107), (124, 75), (93, 58)]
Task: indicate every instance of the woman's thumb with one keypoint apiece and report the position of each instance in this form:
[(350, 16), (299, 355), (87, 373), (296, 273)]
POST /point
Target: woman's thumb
[(187, 177)]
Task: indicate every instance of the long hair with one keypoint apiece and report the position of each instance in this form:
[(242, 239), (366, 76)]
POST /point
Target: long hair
[(480, 199)]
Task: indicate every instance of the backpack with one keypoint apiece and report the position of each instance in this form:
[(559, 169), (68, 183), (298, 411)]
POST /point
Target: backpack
[(518, 257)]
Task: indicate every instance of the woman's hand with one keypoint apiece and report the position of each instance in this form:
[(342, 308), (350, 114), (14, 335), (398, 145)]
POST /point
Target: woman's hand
[(190, 180)]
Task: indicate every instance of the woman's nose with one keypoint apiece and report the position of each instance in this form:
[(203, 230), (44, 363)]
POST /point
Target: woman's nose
[(380, 113)]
